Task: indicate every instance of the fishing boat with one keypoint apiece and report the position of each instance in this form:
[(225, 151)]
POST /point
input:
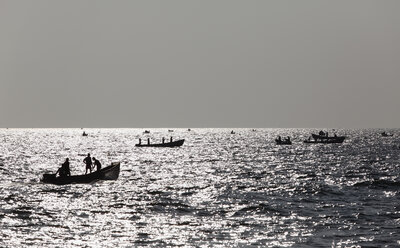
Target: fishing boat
[(84, 134), (323, 139), (146, 131), (108, 173), (176, 143), (385, 134), (283, 142)]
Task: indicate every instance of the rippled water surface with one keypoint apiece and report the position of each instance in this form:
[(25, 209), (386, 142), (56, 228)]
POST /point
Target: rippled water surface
[(217, 190)]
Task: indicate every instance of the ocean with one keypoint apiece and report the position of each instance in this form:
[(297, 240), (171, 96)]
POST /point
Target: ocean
[(217, 190)]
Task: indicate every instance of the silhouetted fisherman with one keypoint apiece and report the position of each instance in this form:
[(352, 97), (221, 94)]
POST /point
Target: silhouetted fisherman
[(64, 170), (288, 138), (140, 141), (279, 138), (88, 162), (170, 140), (148, 141), (97, 164), (163, 140)]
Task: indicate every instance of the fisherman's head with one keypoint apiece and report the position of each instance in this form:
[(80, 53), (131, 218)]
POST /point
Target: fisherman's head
[(88, 154), (67, 159), (94, 158)]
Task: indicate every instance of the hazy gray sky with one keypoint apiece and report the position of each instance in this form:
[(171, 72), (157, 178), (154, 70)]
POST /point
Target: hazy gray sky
[(199, 63)]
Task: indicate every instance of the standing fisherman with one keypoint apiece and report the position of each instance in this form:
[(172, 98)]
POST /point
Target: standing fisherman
[(88, 162)]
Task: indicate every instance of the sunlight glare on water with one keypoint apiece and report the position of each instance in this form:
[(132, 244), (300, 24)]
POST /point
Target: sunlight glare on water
[(218, 189)]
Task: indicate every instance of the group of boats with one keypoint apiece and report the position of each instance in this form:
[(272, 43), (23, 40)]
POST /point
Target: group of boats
[(320, 138), (111, 172), (108, 173)]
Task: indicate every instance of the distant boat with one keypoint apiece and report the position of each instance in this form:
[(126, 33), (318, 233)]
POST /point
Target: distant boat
[(384, 134), (283, 142), (170, 130), (189, 129), (84, 134), (323, 139), (232, 132), (176, 143), (108, 173), (146, 131)]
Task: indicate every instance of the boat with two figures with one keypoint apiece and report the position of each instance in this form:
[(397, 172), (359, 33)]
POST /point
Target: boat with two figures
[(108, 173), (176, 143), (324, 138), (280, 141), (385, 134)]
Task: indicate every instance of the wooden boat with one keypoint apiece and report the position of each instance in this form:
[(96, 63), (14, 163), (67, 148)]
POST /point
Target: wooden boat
[(108, 173), (283, 142), (322, 137), (176, 143), (384, 134), (325, 139), (84, 134), (146, 131)]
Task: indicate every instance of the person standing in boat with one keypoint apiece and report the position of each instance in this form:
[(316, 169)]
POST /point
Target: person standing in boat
[(170, 140), (88, 162), (97, 164)]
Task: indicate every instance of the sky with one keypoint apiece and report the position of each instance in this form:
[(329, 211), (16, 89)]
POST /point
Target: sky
[(226, 63)]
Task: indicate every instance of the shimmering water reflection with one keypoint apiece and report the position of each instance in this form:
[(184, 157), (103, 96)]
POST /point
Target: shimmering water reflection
[(218, 189)]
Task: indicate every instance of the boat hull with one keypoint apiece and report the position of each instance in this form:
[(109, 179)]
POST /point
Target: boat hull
[(327, 141), (283, 142), (108, 173), (169, 144), (319, 137)]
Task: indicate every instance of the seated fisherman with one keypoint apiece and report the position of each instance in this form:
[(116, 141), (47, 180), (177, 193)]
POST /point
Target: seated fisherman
[(97, 163), (64, 170)]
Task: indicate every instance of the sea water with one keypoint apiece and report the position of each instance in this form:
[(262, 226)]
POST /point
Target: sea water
[(217, 190)]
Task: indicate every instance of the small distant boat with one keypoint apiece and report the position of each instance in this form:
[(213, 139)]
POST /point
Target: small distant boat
[(323, 139), (384, 134), (232, 132), (146, 131), (176, 143), (170, 130), (189, 129), (84, 134), (108, 173), (283, 142)]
